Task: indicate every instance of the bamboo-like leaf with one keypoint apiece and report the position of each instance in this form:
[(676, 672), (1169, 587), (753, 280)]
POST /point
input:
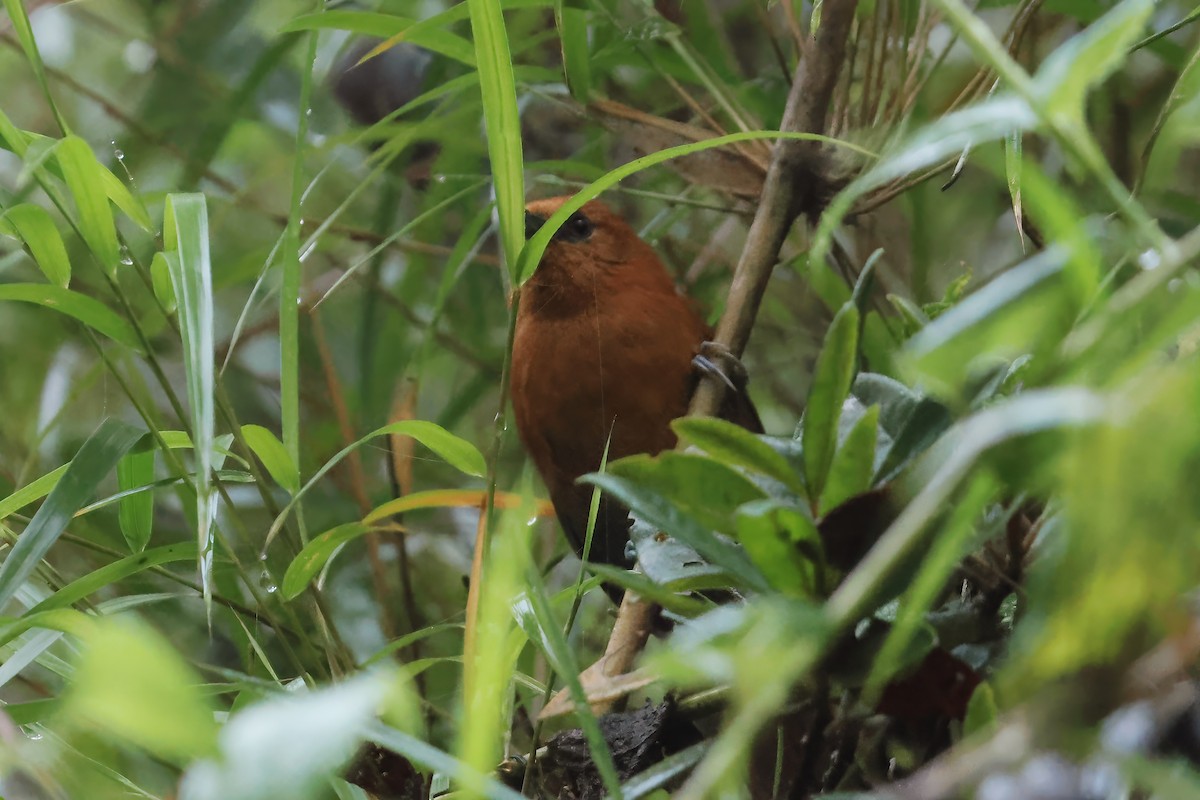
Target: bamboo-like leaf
[(185, 238), (531, 253), (536, 617), (315, 555), (503, 123), (831, 383), (37, 230), (20, 23), (95, 459), (87, 310), (573, 34), (136, 515), (271, 453), (84, 178)]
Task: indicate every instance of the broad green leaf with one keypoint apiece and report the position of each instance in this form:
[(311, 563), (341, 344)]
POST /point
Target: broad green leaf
[(85, 179), (783, 543), (137, 510), (854, 462), (663, 515), (185, 241), (503, 123), (670, 563), (831, 383), (124, 199), (315, 555), (651, 590), (982, 711), (291, 745), (699, 486), (95, 459), (1035, 411), (132, 683), (271, 453), (160, 278), (89, 311), (37, 230), (1089, 57), (735, 445)]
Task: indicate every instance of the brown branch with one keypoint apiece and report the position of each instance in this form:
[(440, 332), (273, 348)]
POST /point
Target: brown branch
[(793, 186)]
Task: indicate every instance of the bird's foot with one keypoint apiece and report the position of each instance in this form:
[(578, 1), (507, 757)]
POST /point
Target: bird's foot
[(717, 360)]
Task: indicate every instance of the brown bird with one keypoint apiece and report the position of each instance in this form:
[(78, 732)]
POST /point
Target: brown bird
[(606, 351)]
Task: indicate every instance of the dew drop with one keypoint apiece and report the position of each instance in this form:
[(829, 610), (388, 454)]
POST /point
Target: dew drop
[(34, 736), (126, 259), (267, 583)]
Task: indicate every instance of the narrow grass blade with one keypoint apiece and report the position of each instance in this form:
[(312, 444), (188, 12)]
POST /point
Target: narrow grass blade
[(503, 123), (185, 238), (95, 459), (89, 311)]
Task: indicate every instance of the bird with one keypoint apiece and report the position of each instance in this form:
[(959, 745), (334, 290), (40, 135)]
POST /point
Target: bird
[(606, 351)]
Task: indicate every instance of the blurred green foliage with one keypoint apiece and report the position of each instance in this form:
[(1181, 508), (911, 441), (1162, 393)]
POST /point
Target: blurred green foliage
[(255, 269)]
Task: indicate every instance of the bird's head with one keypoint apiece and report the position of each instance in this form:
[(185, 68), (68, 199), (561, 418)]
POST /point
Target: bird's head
[(592, 247)]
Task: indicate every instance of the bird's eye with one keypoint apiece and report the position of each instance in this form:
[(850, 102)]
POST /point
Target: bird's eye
[(577, 228)]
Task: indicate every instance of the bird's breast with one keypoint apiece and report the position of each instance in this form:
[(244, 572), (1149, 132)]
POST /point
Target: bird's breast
[(615, 375)]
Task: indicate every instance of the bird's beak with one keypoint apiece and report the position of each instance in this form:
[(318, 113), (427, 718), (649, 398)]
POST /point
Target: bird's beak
[(533, 224)]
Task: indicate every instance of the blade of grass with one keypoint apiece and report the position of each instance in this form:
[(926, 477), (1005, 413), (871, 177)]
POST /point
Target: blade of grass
[(185, 237), (95, 459), (503, 123)]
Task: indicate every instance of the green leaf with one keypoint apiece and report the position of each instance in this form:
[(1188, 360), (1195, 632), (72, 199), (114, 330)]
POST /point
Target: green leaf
[(315, 555), (940, 559), (701, 487), (573, 33), (137, 510), (535, 616), (663, 515), (124, 199), (85, 179), (95, 459), (503, 123), (1027, 308), (20, 24), (37, 230), (531, 253), (160, 277), (87, 310), (115, 571), (854, 462), (735, 445), (132, 683), (982, 710), (291, 745), (1088, 58), (459, 453), (387, 26), (271, 453), (33, 491), (784, 544), (185, 240), (831, 383)]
